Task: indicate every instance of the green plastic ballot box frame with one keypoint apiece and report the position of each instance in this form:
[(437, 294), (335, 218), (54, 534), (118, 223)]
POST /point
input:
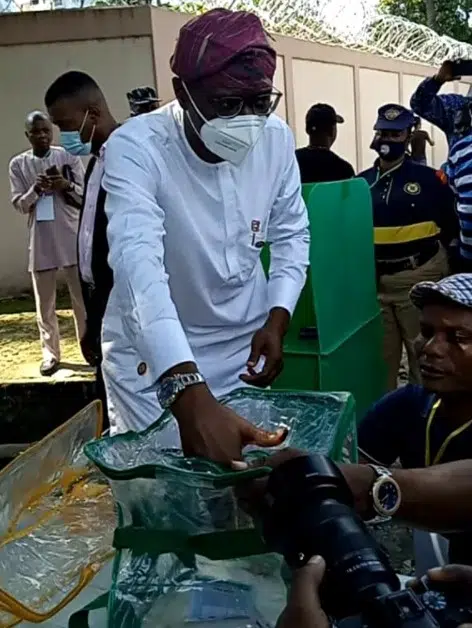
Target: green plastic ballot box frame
[(334, 341)]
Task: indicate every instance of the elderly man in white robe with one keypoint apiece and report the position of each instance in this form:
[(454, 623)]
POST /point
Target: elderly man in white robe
[(194, 191), (46, 185)]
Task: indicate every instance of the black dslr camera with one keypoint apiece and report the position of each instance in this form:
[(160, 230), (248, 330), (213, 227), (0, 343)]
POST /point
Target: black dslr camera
[(309, 512)]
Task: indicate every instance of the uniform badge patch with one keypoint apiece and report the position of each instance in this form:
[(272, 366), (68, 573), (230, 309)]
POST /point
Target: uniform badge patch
[(412, 188), (392, 114)]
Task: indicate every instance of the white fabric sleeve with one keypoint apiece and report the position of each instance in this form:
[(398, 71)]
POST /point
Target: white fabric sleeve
[(288, 235), (136, 240), (23, 198)]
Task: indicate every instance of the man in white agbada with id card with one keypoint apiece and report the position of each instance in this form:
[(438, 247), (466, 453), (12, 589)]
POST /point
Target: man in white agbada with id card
[(194, 190), (46, 185)]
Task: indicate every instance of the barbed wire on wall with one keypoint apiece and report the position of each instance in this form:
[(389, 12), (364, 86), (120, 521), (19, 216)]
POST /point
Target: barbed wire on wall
[(353, 24)]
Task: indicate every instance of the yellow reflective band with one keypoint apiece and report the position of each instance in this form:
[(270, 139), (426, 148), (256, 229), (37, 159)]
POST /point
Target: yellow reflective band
[(406, 233)]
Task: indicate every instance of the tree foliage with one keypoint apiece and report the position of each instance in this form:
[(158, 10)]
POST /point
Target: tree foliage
[(446, 17)]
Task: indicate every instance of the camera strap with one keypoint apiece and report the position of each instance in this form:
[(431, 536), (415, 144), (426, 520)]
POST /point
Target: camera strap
[(442, 449)]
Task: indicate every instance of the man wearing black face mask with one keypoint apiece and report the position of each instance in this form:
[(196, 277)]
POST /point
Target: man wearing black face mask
[(414, 222)]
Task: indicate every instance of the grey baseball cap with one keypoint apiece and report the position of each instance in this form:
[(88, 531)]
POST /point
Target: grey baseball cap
[(455, 288)]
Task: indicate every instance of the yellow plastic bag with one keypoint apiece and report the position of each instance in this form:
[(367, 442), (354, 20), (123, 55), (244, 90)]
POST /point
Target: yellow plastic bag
[(56, 522)]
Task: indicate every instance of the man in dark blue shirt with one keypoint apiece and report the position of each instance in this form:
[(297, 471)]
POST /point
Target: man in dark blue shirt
[(414, 222), (429, 424)]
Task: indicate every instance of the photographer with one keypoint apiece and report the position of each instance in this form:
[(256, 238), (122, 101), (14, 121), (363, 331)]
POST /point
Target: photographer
[(306, 508), (435, 415)]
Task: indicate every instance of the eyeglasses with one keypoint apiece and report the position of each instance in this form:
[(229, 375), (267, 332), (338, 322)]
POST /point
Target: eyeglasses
[(260, 104)]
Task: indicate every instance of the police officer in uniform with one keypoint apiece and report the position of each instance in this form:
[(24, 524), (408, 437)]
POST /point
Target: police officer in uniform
[(415, 224), (142, 100)]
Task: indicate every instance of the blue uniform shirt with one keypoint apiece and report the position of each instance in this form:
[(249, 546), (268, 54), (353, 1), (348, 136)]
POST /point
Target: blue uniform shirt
[(395, 428), (413, 208)]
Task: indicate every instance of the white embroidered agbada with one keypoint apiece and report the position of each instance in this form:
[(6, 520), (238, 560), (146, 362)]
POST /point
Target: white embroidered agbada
[(52, 243), (185, 241)]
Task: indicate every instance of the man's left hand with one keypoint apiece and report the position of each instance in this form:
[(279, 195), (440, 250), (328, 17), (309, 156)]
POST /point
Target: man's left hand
[(58, 183), (268, 343)]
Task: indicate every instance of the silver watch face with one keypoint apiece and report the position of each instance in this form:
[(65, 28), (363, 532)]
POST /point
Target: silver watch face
[(387, 495), (167, 391)]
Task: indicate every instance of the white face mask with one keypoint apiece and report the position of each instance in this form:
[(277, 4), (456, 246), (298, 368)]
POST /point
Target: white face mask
[(229, 138)]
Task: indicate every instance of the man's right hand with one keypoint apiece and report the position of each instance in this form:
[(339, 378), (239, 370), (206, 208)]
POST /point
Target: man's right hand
[(446, 72), (210, 430)]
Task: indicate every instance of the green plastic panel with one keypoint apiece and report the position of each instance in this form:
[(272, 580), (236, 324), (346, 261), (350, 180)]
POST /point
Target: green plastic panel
[(342, 260), (339, 300), (354, 366)]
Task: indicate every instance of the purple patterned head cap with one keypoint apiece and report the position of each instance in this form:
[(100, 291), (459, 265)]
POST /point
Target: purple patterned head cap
[(227, 49)]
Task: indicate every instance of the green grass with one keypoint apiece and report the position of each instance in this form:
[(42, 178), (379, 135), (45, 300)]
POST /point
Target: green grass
[(25, 303), (20, 348)]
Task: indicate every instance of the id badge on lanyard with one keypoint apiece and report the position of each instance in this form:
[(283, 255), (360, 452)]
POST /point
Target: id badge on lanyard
[(45, 208)]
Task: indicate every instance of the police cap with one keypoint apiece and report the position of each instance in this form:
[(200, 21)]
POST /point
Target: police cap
[(394, 118), (142, 96), (139, 97)]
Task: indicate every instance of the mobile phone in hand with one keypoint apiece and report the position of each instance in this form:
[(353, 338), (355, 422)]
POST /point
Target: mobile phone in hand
[(52, 171), (462, 67)]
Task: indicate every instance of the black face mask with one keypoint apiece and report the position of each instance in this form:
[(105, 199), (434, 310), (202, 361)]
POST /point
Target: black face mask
[(374, 143), (387, 150)]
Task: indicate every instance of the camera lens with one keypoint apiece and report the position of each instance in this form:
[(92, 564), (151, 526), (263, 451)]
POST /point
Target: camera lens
[(310, 512)]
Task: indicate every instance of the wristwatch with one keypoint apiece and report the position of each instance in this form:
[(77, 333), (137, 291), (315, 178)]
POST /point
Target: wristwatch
[(385, 492), (171, 387)]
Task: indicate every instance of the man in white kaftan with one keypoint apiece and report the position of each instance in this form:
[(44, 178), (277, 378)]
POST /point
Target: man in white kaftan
[(46, 185), (188, 218)]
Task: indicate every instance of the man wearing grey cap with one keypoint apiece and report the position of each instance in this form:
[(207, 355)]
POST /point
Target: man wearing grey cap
[(414, 225), (431, 423), (317, 162)]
